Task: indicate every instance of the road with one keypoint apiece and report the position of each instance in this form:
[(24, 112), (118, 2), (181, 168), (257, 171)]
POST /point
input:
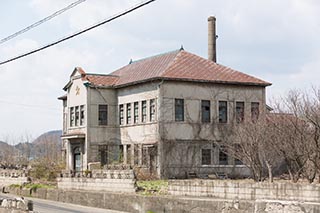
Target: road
[(48, 206)]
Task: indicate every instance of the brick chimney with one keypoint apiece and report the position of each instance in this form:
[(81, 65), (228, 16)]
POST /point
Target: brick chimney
[(212, 52)]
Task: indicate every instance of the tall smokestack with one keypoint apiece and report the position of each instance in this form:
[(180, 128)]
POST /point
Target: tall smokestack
[(212, 52)]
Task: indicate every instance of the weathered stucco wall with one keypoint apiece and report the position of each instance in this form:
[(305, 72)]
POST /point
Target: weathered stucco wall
[(192, 93), (182, 141)]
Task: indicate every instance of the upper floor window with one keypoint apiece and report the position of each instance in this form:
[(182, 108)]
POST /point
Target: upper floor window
[(103, 114), (179, 109), (81, 115), (121, 116), (255, 111), (144, 111), (71, 116), (129, 113), (223, 111), (205, 111), (136, 112), (152, 110), (239, 112), (77, 116)]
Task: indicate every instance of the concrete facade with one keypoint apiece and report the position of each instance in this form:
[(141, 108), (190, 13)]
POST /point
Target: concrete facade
[(141, 128)]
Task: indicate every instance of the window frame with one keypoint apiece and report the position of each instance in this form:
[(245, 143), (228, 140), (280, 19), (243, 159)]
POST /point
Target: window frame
[(129, 112), (204, 111), (136, 112), (206, 158), (102, 114), (144, 111), (220, 110), (255, 111), (240, 113), (121, 114), (152, 110), (82, 115), (179, 109), (72, 117)]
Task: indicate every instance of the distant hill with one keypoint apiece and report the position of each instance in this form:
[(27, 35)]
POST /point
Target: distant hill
[(46, 145)]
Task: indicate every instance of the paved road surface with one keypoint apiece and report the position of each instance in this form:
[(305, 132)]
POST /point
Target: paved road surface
[(48, 206)]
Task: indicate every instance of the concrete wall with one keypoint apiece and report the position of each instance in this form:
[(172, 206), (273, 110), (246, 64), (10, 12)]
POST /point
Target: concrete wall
[(246, 190), (12, 176), (183, 141), (137, 203)]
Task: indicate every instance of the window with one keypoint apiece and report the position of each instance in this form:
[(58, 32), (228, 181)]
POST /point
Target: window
[(223, 157), (136, 112), (236, 160), (121, 117), (81, 115), (206, 156), (239, 112), (205, 111), (71, 116), (129, 113), (152, 110), (254, 111), (103, 114), (144, 111), (77, 116), (223, 112), (179, 109)]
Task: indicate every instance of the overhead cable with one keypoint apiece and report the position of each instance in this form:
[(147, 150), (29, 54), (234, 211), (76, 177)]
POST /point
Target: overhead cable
[(81, 31), (41, 21)]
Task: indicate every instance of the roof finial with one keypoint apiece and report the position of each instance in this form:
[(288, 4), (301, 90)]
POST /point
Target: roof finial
[(130, 62), (181, 48)]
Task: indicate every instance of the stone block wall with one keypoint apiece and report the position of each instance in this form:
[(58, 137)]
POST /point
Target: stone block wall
[(13, 176), (246, 190), (18, 205), (101, 180)]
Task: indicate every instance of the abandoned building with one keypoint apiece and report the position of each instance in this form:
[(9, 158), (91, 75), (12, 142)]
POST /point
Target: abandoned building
[(159, 114)]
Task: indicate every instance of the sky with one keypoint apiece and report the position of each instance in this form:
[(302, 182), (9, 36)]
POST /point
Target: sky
[(277, 41)]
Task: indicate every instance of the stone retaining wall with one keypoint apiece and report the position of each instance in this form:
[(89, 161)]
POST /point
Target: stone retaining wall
[(131, 202), (13, 176), (18, 205), (100, 180), (244, 190)]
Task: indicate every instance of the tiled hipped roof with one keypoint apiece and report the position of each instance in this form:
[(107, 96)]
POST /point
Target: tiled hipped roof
[(178, 65)]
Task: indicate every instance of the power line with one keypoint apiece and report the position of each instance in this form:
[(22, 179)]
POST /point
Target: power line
[(30, 105), (80, 32), (41, 21)]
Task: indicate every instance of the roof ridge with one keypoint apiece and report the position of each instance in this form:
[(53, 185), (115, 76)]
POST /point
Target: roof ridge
[(102, 74), (153, 56)]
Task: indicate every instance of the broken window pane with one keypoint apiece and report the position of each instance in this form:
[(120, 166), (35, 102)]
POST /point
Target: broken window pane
[(205, 111)]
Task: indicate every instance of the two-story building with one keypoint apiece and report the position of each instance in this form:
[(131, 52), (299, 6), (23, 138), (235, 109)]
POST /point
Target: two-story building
[(160, 113)]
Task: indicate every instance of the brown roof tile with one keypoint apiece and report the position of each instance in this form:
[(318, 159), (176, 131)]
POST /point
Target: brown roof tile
[(176, 65)]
